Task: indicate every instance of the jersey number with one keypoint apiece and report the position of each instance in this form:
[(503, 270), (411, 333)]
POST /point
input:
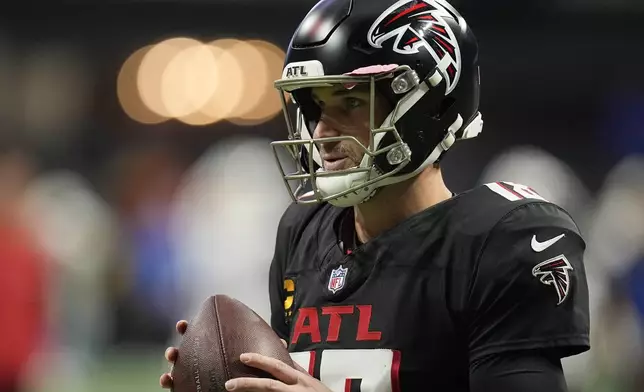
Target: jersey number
[(514, 192), (374, 370)]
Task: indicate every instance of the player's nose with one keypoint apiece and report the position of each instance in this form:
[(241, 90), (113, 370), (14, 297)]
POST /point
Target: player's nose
[(324, 128)]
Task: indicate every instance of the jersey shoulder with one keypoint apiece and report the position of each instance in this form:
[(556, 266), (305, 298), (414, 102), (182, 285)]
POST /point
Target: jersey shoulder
[(527, 286), (302, 224), (294, 221), (483, 208), (296, 215)]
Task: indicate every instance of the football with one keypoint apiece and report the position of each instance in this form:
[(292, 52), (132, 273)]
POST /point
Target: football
[(222, 330)]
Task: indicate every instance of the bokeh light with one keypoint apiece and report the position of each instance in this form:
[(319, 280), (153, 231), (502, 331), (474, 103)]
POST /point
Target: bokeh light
[(128, 92), (201, 83), (152, 69), (268, 103), (189, 80)]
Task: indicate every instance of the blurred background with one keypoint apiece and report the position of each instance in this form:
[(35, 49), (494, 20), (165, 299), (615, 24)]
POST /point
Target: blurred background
[(136, 177)]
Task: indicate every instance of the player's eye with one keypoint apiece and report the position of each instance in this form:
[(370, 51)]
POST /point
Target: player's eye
[(351, 103)]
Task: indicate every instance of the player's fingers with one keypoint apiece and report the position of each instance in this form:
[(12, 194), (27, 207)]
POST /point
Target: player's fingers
[(182, 326), (275, 367), (245, 384), (166, 381), (295, 364), (300, 368), (171, 354)]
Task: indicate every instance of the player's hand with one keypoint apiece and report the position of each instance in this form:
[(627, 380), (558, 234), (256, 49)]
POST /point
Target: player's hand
[(171, 356), (288, 378)]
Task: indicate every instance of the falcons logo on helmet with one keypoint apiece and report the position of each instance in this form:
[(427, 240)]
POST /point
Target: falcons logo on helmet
[(554, 272), (416, 24)]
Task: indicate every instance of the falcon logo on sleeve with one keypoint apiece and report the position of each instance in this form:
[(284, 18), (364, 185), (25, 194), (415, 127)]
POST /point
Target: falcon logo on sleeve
[(555, 272)]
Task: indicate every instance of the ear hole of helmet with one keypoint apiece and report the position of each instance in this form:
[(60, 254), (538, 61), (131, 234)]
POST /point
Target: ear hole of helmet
[(422, 127)]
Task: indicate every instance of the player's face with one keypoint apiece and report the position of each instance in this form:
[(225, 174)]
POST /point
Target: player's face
[(345, 112)]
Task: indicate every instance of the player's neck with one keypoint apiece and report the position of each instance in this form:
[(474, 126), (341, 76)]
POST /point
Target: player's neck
[(397, 202)]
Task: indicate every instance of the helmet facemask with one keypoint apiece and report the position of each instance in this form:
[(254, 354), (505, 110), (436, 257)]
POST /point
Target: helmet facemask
[(310, 183)]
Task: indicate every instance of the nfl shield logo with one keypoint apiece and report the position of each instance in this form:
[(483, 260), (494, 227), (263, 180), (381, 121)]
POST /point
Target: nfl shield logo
[(337, 279)]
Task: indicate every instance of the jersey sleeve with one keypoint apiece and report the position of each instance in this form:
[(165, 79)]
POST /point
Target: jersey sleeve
[(529, 288), (525, 371), (276, 295)]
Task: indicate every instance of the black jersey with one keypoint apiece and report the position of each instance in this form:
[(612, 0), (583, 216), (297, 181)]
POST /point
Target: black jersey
[(492, 270)]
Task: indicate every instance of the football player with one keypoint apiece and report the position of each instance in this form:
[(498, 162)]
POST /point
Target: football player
[(382, 279)]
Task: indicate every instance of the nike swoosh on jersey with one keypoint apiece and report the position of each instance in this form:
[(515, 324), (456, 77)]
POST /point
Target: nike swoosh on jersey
[(541, 246)]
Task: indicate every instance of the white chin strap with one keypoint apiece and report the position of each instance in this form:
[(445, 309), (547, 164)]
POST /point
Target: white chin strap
[(333, 185)]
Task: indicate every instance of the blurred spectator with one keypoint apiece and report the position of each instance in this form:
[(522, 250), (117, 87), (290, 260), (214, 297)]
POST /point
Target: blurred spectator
[(635, 288), (74, 227), (224, 224), (23, 277), (615, 244), (144, 183)]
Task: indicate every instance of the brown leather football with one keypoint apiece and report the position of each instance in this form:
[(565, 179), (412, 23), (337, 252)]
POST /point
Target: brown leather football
[(209, 352)]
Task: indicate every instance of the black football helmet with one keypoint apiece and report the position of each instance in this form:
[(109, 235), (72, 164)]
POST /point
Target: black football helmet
[(420, 55)]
